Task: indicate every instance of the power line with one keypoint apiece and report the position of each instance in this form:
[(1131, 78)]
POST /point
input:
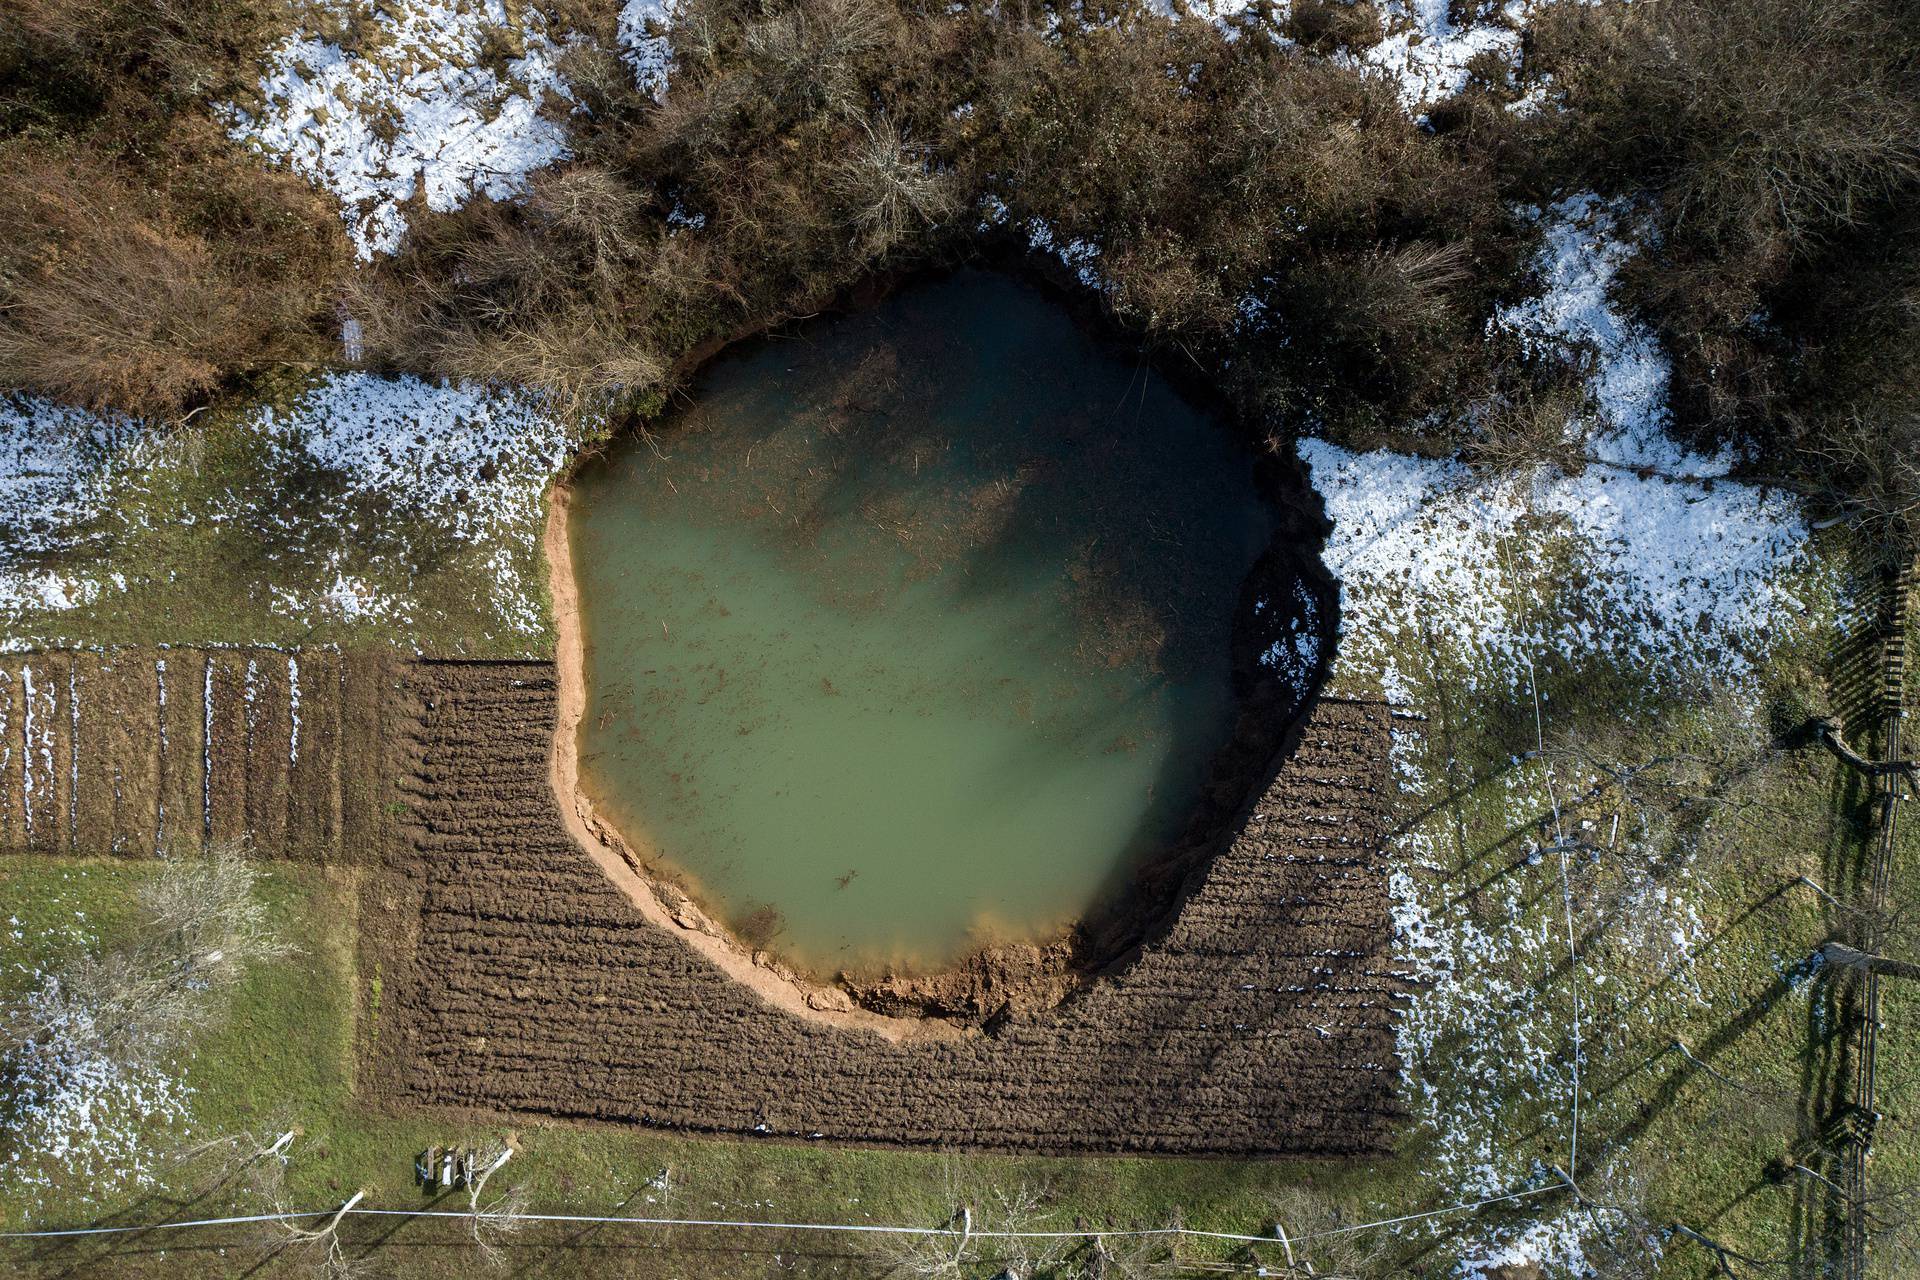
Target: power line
[(750, 1225)]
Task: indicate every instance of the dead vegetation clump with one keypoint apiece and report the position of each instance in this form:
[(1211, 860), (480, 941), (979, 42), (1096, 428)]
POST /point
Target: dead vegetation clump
[(113, 299), (149, 262), (1252, 208), (1779, 141), (805, 145)]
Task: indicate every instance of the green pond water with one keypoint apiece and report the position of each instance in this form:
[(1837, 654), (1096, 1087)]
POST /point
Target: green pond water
[(909, 630)]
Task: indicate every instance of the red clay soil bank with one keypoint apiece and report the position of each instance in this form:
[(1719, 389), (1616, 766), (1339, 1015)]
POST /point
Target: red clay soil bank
[(516, 976)]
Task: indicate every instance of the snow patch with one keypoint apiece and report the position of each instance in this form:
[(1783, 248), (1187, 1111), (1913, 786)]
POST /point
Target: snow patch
[(55, 466), (1426, 52), (1651, 572), (439, 98), (388, 464), (78, 1117), (644, 44), (1585, 248), (1079, 256)]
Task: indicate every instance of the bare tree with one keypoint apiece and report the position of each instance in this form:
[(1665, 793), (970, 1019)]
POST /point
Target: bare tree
[(322, 1246), (494, 1221), (813, 53), (200, 926), (967, 1252), (1869, 462), (256, 1158), (1312, 1238), (1717, 775)]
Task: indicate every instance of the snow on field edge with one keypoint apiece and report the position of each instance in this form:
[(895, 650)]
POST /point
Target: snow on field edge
[(470, 463), (1649, 561), (436, 98)]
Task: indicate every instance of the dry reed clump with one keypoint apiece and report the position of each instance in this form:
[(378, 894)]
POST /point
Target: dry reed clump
[(552, 292), (149, 262), (110, 305)]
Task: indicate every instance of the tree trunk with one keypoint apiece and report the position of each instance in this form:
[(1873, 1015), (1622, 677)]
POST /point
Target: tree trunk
[(1849, 957)]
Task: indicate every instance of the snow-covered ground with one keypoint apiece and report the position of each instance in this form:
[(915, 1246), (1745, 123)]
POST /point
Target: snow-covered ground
[(1425, 47), (78, 1118), (1650, 563), (1426, 52), (1649, 558), (381, 461), (1587, 243), (437, 99), (644, 45), (55, 463)]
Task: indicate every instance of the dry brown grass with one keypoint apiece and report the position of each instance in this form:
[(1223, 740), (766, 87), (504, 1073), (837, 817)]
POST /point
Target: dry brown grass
[(1781, 139), (111, 297), (149, 263)]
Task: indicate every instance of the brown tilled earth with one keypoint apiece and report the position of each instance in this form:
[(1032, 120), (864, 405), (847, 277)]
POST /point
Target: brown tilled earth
[(135, 752), (516, 976)]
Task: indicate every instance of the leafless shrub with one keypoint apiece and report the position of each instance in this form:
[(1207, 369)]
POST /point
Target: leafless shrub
[(1870, 465), (1782, 139), (813, 52), (322, 1248), (1019, 1207), (207, 911), (1130, 1257), (185, 47), (891, 187), (1769, 120), (255, 1158), (114, 310), (1312, 1240), (1718, 773), (1160, 286), (1405, 286), (109, 299), (1528, 430), (1326, 26), (494, 1220)]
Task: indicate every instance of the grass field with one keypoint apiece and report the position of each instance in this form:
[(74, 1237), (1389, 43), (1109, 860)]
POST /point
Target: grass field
[(1610, 808)]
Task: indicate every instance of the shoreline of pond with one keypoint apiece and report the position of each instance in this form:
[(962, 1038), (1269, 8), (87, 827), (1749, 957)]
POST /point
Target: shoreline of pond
[(1022, 976)]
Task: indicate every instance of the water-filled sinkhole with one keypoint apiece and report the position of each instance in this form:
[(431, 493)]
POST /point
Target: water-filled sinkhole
[(912, 630)]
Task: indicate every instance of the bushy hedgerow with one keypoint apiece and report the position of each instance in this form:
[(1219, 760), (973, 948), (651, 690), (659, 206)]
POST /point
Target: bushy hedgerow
[(1776, 146), (1261, 211), (1236, 190)]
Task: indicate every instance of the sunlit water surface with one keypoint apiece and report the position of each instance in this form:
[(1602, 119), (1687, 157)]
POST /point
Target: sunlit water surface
[(910, 630)]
